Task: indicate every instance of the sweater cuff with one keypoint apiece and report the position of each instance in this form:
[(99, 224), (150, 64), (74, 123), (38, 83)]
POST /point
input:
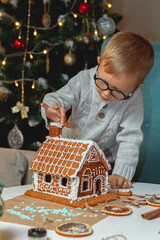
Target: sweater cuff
[(124, 171)]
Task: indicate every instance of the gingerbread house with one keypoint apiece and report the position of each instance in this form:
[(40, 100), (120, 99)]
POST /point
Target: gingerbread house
[(68, 168)]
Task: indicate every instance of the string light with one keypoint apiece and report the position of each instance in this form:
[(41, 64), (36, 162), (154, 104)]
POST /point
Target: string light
[(74, 14), (109, 5), (35, 32), (33, 85), (16, 83), (96, 32), (17, 24), (4, 62), (44, 51), (60, 23), (104, 37), (31, 55)]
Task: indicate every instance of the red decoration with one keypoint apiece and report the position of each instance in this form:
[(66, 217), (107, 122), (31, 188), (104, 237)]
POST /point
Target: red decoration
[(19, 44), (84, 7)]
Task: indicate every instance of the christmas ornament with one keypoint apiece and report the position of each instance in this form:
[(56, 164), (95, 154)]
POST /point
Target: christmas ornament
[(106, 26), (91, 41), (69, 43), (61, 20), (70, 59), (21, 108), (5, 1), (46, 18), (3, 96), (84, 7), (14, 3), (15, 138), (19, 44), (33, 123), (42, 82), (2, 49)]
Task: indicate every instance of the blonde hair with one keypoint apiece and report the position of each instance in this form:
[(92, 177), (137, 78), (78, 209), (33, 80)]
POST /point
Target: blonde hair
[(128, 53)]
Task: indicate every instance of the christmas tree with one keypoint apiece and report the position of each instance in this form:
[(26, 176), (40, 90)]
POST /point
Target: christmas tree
[(43, 43)]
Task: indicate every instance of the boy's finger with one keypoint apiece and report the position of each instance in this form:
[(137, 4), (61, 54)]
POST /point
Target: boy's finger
[(44, 105), (55, 106), (63, 116), (67, 124)]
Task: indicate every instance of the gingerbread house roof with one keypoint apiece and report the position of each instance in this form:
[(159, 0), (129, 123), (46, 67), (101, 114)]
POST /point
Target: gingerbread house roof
[(64, 157)]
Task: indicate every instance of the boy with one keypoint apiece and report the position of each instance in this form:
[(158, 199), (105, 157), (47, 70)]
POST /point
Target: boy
[(107, 103)]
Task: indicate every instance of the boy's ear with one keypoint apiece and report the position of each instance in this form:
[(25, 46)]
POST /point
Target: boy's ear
[(140, 85), (98, 58)]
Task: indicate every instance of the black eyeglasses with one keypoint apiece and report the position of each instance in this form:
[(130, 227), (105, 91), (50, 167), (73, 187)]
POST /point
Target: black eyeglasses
[(118, 94)]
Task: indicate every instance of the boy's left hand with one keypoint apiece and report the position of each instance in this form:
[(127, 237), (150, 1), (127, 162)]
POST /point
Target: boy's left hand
[(119, 182)]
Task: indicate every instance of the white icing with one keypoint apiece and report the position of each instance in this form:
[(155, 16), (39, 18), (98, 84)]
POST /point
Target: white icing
[(35, 179), (56, 124), (74, 188)]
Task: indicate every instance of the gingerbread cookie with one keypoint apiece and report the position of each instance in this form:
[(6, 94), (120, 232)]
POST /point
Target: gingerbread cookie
[(124, 192), (74, 229), (117, 210)]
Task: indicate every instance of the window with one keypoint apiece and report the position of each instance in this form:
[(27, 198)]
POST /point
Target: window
[(64, 182), (85, 185), (48, 178)]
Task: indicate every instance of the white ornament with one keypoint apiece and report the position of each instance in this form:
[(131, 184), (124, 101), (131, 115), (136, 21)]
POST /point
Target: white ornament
[(42, 82), (15, 138), (106, 26), (14, 3), (33, 123), (65, 77), (69, 43)]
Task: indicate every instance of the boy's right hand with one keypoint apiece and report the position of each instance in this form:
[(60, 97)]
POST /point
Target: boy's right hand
[(56, 114)]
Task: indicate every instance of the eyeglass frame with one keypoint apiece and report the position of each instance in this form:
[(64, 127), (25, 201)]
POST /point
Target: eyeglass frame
[(112, 89)]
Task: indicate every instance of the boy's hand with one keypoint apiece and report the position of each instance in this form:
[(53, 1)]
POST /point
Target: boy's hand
[(56, 114), (119, 182)]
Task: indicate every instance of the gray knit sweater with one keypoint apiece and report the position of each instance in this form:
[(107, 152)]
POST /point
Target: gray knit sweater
[(114, 126)]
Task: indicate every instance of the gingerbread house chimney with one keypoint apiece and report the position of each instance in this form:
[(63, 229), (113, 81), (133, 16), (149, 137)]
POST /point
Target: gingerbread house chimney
[(55, 129)]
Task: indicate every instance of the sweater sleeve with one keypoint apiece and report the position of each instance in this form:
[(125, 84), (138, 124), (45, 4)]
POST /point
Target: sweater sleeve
[(130, 137)]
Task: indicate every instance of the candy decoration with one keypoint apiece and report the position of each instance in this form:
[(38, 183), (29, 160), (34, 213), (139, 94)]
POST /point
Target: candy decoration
[(70, 59), (46, 20), (15, 138), (19, 44), (84, 7), (106, 26)]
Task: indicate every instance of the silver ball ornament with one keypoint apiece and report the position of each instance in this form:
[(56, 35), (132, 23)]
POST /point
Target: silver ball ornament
[(106, 26)]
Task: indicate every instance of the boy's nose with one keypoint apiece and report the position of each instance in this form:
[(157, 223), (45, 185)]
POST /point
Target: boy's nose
[(107, 93)]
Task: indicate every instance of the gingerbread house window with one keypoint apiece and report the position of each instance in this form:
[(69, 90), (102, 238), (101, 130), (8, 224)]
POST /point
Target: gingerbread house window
[(85, 185), (64, 182), (48, 178)]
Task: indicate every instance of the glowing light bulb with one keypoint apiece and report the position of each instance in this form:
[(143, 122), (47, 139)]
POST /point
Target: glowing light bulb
[(96, 32), (60, 24), (31, 56), (109, 5), (33, 85), (17, 24), (16, 83), (45, 51), (4, 62), (104, 37), (74, 14), (35, 32)]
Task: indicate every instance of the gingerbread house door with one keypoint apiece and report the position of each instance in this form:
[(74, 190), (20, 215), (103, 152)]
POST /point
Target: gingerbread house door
[(98, 186)]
